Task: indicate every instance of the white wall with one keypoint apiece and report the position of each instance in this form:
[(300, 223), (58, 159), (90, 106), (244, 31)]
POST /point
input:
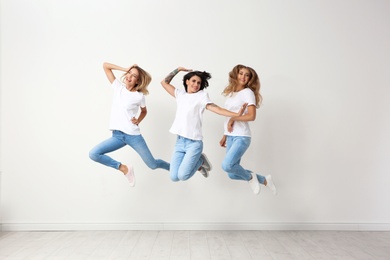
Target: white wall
[(322, 131)]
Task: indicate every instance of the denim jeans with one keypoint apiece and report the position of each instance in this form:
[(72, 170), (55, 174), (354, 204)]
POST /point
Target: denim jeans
[(186, 158), (119, 140), (236, 146)]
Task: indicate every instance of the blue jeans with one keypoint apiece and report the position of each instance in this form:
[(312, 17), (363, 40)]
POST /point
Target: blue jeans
[(186, 158), (119, 140), (236, 146)]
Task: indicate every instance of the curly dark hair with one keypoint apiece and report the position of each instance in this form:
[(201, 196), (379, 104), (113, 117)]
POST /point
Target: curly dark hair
[(204, 77)]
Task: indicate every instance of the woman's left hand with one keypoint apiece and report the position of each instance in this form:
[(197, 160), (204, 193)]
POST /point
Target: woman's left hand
[(134, 121), (230, 125)]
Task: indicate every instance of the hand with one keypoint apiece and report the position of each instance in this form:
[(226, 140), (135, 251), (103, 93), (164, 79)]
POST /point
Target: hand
[(242, 109), (132, 66), (183, 69), (222, 143), (134, 121), (230, 125)]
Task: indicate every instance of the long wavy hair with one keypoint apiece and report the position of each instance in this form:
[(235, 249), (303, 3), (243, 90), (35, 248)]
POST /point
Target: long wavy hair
[(144, 79), (204, 77), (253, 83)]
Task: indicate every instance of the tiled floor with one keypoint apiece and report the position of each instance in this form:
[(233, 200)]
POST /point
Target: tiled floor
[(202, 245)]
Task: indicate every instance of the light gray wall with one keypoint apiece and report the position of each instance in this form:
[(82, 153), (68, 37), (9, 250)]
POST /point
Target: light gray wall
[(322, 131)]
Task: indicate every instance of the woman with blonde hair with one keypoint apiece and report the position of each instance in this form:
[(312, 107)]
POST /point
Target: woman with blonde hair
[(244, 87), (128, 100)]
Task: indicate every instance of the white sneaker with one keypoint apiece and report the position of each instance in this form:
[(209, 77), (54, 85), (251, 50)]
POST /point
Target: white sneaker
[(206, 163), (130, 175), (254, 183), (204, 172), (271, 184)]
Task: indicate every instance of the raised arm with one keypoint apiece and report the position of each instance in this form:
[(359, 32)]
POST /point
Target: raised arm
[(109, 67), (167, 80)]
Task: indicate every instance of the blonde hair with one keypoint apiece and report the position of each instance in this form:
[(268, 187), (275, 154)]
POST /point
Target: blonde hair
[(253, 83), (144, 79)]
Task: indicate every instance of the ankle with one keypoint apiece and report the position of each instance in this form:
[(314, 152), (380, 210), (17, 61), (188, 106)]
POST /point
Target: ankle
[(123, 168)]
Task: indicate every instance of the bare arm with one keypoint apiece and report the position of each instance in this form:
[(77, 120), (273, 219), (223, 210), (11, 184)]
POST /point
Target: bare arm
[(222, 143), (142, 115), (224, 112), (250, 116), (166, 82), (109, 67)]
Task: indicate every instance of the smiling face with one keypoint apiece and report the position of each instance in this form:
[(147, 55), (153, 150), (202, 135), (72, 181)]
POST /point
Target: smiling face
[(131, 78), (243, 77), (193, 84)]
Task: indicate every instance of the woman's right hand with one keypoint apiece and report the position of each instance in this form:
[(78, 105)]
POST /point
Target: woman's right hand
[(130, 67), (222, 143)]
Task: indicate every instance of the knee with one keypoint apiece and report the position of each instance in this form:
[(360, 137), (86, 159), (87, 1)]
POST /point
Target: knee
[(93, 156), (152, 166), (174, 178), (183, 176), (227, 166), (231, 176), (154, 163)]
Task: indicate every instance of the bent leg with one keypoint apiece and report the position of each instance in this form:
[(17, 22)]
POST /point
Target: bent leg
[(236, 147), (98, 153), (137, 142), (191, 161), (176, 160)]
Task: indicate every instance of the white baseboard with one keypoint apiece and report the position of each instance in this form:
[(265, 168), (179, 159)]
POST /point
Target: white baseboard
[(194, 226)]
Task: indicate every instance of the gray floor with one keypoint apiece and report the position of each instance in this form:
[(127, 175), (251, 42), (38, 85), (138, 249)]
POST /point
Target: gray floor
[(195, 245)]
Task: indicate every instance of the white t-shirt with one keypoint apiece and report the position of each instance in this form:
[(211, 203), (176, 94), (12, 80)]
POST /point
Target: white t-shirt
[(233, 103), (125, 105), (189, 113)]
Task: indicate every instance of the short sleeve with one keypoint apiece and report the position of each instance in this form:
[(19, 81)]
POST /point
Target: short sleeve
[(178, 92), (206, 100), (250, 98), (143, 101), (116, 84)]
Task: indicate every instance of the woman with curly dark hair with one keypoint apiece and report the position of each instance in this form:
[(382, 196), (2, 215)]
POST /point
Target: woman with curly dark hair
[(191, 102)]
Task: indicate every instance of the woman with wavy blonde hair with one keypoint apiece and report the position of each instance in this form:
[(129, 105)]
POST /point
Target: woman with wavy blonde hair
[(127, 112), (143, 81), (244, 87), (253, 82)]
